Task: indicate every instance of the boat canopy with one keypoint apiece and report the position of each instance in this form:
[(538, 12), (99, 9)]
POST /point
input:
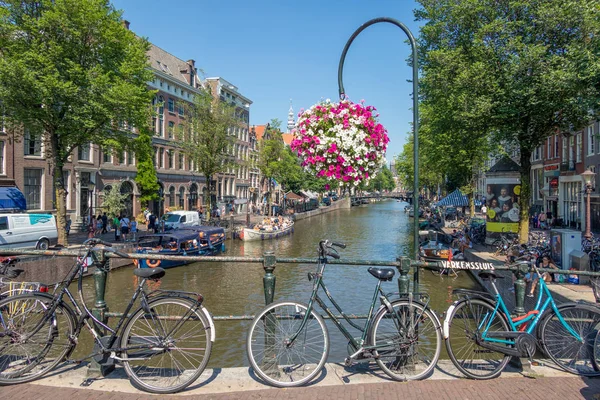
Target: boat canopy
[(455, 198), (178, 236)]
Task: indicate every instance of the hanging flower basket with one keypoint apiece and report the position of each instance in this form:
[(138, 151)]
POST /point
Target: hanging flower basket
[(341, 141)]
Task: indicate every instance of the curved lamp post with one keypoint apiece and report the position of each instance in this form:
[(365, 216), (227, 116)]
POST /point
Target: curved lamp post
[(415, 117)]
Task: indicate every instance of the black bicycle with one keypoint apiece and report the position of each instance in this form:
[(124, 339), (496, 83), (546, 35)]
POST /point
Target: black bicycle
[(164, 344), (288, 341)]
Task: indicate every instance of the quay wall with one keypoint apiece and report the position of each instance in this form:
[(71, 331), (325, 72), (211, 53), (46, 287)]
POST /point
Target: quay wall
[(335, 205)]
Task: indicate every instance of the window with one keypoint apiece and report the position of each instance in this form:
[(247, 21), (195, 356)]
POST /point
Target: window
[(590, 140), (190, 164), (171, 129), (161, 157), (171, 196), (578, 148), (180, 131), (564, 150), (154, 155), (170, 159), (549, 148), (83, 152), (180, 161), (2, 117), (121, 157), (107, 155), (181, 197), (161, 116), (33, 188), (556, 149), (32, 143), (130, 157), (180, 110), (2, 158), (171, 106), (3, 223)]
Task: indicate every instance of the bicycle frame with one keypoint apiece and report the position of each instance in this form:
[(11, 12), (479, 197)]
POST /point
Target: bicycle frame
[(532, 318), (315, 297)]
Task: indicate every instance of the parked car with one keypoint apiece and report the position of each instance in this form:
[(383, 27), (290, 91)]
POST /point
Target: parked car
[(179, 219), (27, 231)]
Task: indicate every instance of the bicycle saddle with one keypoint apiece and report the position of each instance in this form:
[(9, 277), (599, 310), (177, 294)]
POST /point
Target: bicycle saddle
[(489, 275), (384, 274), (150, 273)]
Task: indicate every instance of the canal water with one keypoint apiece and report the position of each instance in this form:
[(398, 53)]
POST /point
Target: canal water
[(378, 231)]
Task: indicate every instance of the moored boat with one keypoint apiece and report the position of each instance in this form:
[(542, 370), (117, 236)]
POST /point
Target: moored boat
[(272, 229), (191, 241)]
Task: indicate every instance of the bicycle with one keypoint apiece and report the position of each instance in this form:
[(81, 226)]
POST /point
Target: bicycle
[(288, 342), (164, 345), (481, 336)]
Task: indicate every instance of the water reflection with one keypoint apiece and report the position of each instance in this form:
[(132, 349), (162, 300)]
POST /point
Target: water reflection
[(379, 231)]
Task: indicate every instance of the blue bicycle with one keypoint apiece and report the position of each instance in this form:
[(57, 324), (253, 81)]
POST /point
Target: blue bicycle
[(481, 336)]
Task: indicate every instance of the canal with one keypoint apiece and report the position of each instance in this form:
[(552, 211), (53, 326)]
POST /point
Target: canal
[(378, 231)]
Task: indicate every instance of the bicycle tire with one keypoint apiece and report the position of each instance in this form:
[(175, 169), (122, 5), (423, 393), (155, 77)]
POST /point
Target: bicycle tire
[(412, 354), (597, 350), (465, 321), (183, 355), (562, 347), (32, 343), (272, 359)]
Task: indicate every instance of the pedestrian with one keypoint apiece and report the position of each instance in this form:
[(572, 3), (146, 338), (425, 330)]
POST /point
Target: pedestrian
[(116, 222), (99, 225), (68, 225), (91, 227), (151, 222), (133, 228), (484, 210), (542, 220), (104, 223), (124, 228)]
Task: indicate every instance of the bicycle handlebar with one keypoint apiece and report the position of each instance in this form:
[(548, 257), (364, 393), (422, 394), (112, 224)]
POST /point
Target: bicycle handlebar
[(108, 246)]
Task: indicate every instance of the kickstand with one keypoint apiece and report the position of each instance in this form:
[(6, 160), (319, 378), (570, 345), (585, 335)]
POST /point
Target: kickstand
[(87, 382)]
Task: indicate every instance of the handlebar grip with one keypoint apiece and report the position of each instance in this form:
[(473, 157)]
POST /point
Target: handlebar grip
[(333, 254), (338, 244)]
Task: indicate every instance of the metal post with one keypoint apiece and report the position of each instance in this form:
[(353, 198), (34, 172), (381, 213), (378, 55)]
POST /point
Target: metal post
[(415, 81), (520, 289), (232, 226), (100, 309), (269, 278), (403, 279)]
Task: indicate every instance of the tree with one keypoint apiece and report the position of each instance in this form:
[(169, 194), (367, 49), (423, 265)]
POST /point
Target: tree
[(113, 201), (270, 152), (287, 170), (146, 171), (539, 61), (208, 138), (70, 70)]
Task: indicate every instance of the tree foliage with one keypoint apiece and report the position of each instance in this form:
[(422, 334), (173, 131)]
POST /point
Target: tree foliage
[(71, 70), (146, 171), (524, 69), (113, 201), (208, 136)]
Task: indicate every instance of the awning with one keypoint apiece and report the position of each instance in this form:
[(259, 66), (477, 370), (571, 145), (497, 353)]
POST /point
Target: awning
[(293, 196), (455, 198), (551, 174), (12, 199)]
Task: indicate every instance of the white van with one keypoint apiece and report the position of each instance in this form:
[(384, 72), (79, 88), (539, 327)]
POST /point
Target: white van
[(179, 219), (27, 230)]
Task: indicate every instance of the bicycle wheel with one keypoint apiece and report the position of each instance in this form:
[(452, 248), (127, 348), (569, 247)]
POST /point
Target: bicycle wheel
[(278, 362), (466, 321), (562, 347), (597, 350), (407, 341), (167, 348), (31, 341)]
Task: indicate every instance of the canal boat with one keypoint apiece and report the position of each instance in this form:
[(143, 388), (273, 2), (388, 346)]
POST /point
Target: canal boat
[(273, 229), (191, 241)]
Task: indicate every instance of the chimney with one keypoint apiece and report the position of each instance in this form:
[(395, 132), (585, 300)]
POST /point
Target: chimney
[(192, 63), (125, 24)]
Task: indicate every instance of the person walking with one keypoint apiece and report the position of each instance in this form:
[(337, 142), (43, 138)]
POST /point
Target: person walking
[(104, 223), (133, 230), (99, 225), (124, 228), (116, 222), (151, 222)]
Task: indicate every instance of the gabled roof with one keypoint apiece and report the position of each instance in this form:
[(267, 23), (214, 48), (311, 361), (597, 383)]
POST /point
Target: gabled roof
[(287, 138), (455, 198), (505, 164), (260, 131)]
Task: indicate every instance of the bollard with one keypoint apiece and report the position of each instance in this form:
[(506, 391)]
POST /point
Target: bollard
[(520, 288), (232, 226), (403, 279), (269, 278), (95, 370)]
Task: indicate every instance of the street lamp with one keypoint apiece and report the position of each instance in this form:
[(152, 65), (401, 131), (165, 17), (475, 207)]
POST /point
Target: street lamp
[(587, 177), (415, 82)]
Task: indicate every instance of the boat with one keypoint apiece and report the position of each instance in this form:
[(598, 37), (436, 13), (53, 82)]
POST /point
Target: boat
[(278, 227), (189, 241)]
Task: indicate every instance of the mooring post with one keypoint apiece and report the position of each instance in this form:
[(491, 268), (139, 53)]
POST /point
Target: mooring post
[(100, 308), (269, 278), (520, 285), (403, 279)]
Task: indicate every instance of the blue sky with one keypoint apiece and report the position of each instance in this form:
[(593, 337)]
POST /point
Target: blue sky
[(277, 50)]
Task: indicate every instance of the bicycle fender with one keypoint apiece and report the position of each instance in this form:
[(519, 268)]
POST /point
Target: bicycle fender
[(446, 326), (211, 323)]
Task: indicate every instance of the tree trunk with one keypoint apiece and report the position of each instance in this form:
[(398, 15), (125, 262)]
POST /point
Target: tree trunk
[(525, 195), (61, 204)]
